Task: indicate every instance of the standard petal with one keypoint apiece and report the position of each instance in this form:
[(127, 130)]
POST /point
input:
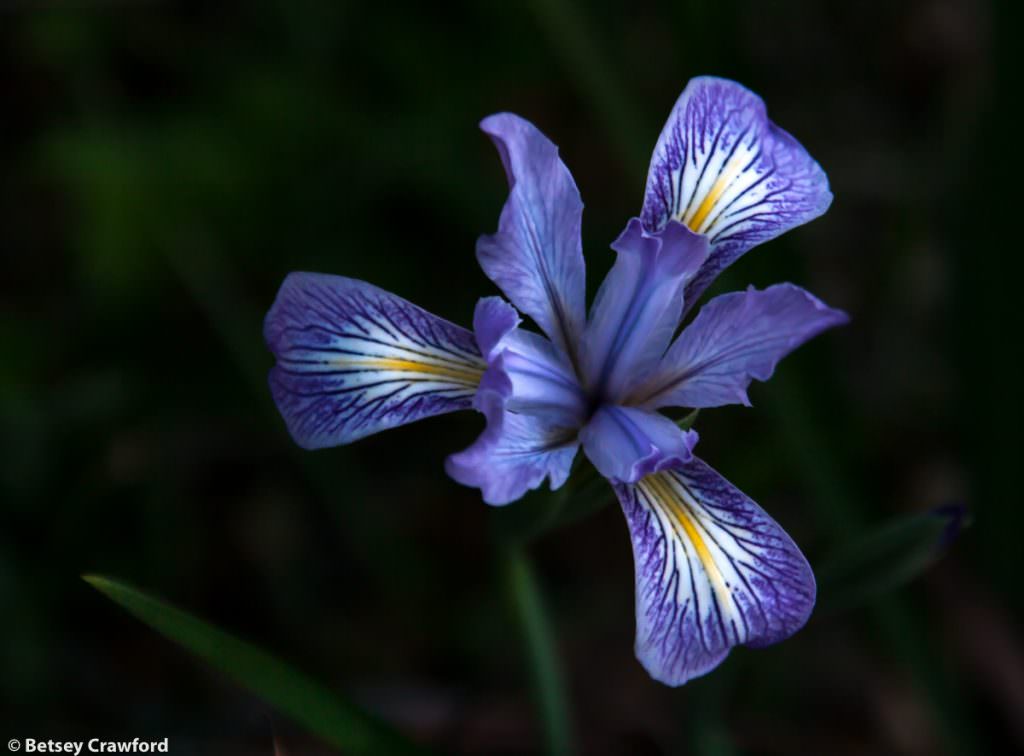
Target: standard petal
[(735, 338), (626, 444), (725, 170), (536, 256), (638, 306), (353, 359), (713, 571), (516, 451)]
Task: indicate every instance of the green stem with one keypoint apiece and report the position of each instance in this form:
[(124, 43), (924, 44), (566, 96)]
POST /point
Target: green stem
[(538, 638)]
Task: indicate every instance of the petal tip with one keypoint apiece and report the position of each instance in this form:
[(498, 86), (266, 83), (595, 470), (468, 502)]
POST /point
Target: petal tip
[(495, 123), (493, 320), (676, 678), (713, 571)]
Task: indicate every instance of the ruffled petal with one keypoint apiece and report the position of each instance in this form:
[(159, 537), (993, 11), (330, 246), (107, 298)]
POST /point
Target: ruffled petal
[(626, 444), (713, 571), (536, 256), (353, 360), (542, 382), (493, 320), (516, 451), (638, 306), (735, 338), (725, 170)]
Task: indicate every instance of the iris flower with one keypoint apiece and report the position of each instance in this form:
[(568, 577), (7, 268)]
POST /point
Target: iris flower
[(713, 570)]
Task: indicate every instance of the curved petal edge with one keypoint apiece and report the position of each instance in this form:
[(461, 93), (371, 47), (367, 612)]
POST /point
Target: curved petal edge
[(736, 338), (353, 360), (536, 257), (626, 444), (713, 571), (723, 168), (516, 451)]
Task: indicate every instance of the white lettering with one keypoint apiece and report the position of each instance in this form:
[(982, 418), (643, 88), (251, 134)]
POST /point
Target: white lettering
[(53, 746), (96, 745)]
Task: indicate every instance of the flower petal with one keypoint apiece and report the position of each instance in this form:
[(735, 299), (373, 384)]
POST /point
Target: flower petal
[(542, 382), (353, 359), (626, 444), (516, 451), (713, 571), (638, 306), (726, 171), (735, 338), (536, 256), (493, 320)]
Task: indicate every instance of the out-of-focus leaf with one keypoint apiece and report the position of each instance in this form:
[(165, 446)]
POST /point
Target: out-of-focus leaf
[(686, 421), (592, 495), (542, 512), (887, 558), (310, 704)]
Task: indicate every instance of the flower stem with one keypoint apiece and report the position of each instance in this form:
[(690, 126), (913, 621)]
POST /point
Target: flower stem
[(538, 638)]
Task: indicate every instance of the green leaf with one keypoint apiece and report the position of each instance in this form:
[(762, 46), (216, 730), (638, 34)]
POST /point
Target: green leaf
[(310, 704), (891, 556), (686, 421), (542, 512)]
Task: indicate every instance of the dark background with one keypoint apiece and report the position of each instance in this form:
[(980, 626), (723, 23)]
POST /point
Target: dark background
[(166, 164)]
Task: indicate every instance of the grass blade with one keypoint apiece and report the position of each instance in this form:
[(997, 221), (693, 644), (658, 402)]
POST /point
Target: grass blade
[(281, 686)]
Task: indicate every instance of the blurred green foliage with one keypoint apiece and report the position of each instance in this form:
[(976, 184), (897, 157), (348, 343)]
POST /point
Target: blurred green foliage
[(285, 688)]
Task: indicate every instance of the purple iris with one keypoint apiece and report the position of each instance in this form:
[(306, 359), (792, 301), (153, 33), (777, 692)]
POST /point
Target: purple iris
[(713, 570)]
